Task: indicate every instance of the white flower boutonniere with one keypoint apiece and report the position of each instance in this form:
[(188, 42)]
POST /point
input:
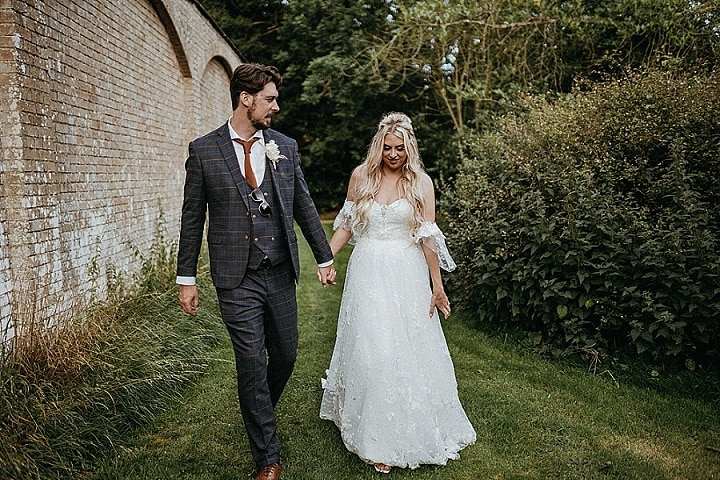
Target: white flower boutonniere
[(272, 151)]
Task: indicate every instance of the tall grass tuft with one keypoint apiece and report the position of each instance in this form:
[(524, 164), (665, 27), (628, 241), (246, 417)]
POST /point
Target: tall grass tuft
[(72, 393)]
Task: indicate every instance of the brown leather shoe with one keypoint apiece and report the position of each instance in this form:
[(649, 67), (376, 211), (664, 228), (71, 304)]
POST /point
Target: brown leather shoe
[(269, 472)]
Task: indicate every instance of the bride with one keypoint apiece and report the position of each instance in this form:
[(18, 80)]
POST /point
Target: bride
[(391, 387)]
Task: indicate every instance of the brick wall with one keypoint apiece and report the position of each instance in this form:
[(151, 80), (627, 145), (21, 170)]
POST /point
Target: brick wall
[(98, 101)]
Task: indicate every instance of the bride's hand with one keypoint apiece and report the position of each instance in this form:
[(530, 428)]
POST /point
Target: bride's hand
[(441, 302)]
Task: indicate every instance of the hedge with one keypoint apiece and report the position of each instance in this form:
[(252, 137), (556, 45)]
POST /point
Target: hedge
[(593, 222)]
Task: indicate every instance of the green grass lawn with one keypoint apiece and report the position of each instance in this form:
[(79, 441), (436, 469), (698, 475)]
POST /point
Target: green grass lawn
[(535, 418)]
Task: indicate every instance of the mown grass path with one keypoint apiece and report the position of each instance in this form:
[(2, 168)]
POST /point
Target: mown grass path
[(535, 419)]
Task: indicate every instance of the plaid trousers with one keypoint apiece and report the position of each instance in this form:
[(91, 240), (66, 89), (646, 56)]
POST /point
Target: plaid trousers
[(261, 318)]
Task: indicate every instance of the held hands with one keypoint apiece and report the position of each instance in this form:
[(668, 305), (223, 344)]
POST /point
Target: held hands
[(441, 302), (326, 275), (189, 299)]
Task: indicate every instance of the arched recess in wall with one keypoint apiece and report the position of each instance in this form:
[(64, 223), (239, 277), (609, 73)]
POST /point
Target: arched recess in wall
[(224, 63), (167, 22), (215, 106)]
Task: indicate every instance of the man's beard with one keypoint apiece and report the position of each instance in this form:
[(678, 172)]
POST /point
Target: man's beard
[(259, 124)]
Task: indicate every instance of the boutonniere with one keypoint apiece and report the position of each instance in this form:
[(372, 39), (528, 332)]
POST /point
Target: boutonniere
[(272, 151)]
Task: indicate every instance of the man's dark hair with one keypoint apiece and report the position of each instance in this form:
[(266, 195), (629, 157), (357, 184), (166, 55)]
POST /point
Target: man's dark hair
[(251, 78)]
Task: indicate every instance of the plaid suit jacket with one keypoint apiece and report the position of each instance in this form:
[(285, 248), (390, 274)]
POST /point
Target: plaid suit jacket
[(214, 184)]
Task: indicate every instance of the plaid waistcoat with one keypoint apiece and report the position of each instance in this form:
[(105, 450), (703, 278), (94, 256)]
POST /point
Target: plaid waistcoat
[(267, 239)]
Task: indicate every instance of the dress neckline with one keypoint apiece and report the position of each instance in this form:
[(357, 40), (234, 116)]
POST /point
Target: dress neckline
[(388, 204)]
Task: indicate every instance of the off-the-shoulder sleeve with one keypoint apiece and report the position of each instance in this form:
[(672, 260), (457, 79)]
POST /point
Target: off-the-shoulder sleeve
[(429, 234), (345, 217)]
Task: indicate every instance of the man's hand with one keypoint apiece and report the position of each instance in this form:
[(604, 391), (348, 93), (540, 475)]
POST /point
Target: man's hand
[(189, 299), (326, 275)]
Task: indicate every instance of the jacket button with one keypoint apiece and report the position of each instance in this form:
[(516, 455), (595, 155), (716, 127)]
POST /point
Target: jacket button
[(256, 239), (246, 237)]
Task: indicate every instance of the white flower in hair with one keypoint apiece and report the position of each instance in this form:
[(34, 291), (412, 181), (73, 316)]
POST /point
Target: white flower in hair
[(272, 151)]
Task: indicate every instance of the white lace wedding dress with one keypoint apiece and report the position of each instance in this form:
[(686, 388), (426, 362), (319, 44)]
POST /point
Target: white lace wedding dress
[(391, 387)]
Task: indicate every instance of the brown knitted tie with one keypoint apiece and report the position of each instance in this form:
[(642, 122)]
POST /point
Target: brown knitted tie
[(249, 174)]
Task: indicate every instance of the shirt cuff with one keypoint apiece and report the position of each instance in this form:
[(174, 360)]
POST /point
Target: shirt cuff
[(185, 280), (325, 264)]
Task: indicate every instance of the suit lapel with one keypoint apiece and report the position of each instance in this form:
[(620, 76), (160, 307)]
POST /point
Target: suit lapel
[(268, 137), (227, 148)]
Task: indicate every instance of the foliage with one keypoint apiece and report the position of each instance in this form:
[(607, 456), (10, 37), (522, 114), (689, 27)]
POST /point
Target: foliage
[(450, 65), (251, 26), (594, 222), (326, 103), (474, 58), (329, 105), (639, 32), (471, 56), (71, 394)]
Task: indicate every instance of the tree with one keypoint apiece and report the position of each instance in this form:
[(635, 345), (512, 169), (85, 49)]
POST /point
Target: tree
[(474, 58), (452, 65), (328, 103), (251, 26)]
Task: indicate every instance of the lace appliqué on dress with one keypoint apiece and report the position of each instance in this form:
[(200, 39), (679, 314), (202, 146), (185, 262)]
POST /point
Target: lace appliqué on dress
[(429, 234)]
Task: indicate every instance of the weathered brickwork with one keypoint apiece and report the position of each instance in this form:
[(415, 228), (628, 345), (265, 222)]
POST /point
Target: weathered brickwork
[(98, 101)]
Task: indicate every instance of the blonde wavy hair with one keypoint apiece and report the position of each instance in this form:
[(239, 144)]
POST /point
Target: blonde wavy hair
[(368, 182)]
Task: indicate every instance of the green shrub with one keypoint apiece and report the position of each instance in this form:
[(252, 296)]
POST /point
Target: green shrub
[(593, 222)]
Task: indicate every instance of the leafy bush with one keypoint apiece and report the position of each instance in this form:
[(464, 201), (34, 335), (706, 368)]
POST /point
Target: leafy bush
[(593, 223), (70, 394)]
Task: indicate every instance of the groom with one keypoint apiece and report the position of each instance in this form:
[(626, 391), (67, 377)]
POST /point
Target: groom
[(248, 178)]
